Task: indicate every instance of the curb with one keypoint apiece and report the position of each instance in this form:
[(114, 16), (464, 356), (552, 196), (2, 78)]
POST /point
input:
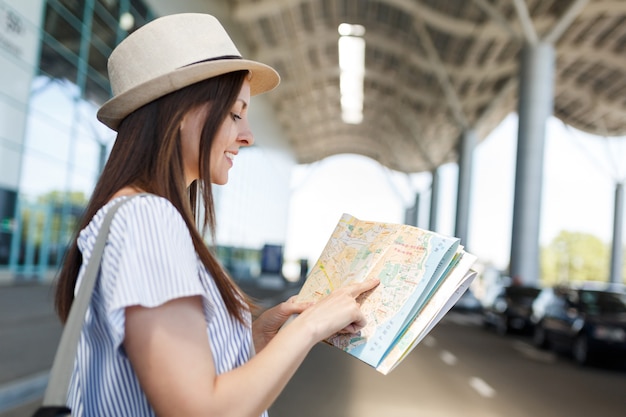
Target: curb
[(22, 391)]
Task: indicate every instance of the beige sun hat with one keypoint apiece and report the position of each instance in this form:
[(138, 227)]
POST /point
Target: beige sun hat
[(170, 53)]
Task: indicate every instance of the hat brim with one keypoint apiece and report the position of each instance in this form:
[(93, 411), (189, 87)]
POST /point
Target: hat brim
[(263, 78)]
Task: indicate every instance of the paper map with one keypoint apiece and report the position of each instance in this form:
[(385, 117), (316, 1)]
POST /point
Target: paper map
[(412, 265)]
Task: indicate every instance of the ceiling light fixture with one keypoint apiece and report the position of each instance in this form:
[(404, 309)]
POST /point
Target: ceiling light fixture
[(127, 21), (352, 71)]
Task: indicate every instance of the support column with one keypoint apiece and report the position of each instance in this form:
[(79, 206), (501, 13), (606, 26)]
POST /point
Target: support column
[(536, 102), (467, 144), (65, 234), (618, 224), (434, 200), (411, 214)]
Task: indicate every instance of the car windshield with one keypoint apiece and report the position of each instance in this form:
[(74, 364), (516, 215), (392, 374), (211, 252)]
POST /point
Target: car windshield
[(600, 302)]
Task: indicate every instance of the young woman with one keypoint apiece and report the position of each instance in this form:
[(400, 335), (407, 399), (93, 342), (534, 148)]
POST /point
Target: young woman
[(168, 332)]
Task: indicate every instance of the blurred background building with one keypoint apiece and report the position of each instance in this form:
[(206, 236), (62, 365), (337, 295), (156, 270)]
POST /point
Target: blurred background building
[(433, 80), (52, 80)]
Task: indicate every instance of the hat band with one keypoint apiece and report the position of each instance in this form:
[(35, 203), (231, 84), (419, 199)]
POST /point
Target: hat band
[(217, 58)]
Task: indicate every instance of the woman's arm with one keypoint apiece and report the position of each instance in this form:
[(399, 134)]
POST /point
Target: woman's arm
[(170, 352)]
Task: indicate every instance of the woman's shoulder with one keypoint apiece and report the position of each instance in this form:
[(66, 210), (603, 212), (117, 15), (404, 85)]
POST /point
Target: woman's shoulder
[(143, 204), (139, 212), (142, 212)]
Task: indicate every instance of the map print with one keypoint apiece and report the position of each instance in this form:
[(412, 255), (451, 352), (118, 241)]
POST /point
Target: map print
[(409, 262)]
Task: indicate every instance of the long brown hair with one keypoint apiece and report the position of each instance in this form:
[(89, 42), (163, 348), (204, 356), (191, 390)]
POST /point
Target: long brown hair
[(147, 155)]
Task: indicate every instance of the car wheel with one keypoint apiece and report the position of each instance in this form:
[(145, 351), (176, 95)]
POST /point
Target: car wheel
[(539, 337), (580, 350), (502, 325)]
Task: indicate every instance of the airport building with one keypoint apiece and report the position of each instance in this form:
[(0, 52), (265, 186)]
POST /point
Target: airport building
[(53, 78), (437, 78)]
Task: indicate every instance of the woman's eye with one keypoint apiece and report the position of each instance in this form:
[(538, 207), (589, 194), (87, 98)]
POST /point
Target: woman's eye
[(235, 116)]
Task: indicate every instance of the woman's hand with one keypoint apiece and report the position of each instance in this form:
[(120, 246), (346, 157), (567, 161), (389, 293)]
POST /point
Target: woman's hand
[(265, 327), (338, 312)]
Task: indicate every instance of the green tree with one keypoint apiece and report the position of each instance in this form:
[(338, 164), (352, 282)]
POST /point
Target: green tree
[(50, 222), (77, 198), (574, 256)]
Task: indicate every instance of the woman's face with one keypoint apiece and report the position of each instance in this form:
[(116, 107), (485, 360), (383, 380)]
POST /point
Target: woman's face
[(233, 134)]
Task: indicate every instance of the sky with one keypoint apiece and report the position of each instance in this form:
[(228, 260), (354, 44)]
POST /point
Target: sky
[(580, 175)]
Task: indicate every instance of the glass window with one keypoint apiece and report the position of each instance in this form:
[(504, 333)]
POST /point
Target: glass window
[(60, 46), (104, 28), (111, 6), (64, 144), (75, 7)]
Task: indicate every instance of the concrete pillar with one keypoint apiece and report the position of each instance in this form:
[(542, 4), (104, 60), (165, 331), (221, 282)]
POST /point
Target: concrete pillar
[(618, 225), (81, 82), (536, 102), (411, 214), (434, 200), (467, 144)]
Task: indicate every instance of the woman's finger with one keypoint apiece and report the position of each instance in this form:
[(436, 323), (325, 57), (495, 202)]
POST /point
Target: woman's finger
[(358, 288)]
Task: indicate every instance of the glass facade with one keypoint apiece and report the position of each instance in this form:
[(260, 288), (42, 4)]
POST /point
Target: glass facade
[(53, 78), (53, 147)]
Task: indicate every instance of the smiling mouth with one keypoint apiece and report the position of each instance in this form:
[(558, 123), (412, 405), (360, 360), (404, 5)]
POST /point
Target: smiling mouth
[(229, 155)]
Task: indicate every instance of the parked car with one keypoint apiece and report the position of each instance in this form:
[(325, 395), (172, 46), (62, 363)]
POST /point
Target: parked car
[(510, 309), (468, 303), (589, 323)]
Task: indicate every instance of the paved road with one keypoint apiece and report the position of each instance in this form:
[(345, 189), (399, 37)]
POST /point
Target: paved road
[(29, 330), (459, 370)]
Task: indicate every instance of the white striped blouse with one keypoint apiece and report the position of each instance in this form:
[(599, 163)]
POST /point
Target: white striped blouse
[(149, 259)]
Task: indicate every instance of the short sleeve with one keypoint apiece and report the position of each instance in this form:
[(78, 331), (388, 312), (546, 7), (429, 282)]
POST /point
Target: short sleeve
[(149, 259)]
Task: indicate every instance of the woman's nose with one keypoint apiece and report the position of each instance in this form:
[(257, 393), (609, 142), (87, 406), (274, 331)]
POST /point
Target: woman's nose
[(246, 138)]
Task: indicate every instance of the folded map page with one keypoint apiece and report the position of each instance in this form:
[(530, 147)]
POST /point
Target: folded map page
[(434, 310), (421, 273)]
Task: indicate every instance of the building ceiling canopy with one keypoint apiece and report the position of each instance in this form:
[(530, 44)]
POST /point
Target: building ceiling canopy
[(433, 68)]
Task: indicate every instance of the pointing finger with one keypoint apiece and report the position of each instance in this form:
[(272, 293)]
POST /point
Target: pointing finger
[(358, 288)]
